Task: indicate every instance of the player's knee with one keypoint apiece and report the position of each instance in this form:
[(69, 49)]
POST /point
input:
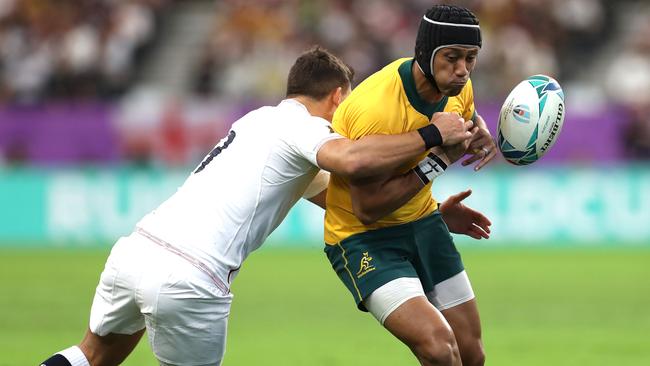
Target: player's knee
[(443, 354), (439, 349)]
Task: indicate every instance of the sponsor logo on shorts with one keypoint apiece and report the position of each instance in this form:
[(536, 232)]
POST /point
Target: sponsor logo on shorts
[(365, 266)]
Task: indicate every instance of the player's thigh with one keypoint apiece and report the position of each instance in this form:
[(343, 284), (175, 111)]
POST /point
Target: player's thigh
[(388, 298), (465, 321), (423, 329), (187, 322), (455, 298), (114, 308), (402, 307)]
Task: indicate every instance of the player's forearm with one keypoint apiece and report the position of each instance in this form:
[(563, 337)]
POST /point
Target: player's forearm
[(371, 202), (370, 156), (378, 154)]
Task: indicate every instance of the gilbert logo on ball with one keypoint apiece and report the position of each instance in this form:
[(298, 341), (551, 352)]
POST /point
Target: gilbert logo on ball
[(531, 119)]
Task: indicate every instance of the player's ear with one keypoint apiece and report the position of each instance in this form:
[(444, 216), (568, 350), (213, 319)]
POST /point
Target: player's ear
[(337, 96)]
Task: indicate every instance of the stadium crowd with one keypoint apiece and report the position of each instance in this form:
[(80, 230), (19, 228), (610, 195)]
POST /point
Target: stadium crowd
[(53, 50), (72, 48), (252, 41)]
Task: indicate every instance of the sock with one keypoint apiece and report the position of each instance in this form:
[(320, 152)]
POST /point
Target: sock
[(68, 357)]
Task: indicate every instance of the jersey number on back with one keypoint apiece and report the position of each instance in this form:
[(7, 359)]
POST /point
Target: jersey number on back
[(216, 151)]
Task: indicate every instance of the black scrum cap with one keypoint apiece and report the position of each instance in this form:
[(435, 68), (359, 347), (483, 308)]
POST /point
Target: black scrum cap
[(443, 26)]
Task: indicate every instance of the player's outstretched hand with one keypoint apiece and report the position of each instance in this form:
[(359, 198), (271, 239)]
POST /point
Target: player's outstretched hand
[(453, 128), (482, 146), (463, 220)]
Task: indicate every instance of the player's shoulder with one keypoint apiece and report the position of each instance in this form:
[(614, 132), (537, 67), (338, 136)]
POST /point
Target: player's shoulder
[(263, 113), (288, 112), (387, 77), (272, 122), (379, 87), (307, 126), (463, 103), (468, 89), (316, 122), (392, 69)]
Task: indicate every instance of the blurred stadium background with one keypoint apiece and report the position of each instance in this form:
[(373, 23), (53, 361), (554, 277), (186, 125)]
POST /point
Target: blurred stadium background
[(106, 105)]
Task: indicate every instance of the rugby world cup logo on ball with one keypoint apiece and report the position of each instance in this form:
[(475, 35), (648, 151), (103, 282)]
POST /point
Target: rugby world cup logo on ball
[(521, 113), (531, 119)]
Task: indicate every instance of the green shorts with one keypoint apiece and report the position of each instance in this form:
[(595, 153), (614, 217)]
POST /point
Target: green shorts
[(421, 249)]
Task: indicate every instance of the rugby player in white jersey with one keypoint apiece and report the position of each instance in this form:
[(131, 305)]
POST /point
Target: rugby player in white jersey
[(172, 275)]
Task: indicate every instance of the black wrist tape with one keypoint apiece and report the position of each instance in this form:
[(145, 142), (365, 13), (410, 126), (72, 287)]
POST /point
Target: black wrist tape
[(431, 136)]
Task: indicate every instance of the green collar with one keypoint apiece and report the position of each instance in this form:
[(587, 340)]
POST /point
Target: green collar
[(412, 94)]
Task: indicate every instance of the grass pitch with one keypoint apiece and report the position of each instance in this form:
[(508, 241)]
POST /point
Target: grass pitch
[(538, 307)]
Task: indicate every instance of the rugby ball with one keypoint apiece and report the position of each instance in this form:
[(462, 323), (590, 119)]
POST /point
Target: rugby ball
[(531, 119)]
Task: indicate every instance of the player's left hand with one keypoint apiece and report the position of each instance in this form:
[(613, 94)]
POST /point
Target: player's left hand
[(482, 146), (461, 219)]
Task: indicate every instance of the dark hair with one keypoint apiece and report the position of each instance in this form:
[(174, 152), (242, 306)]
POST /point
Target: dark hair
[(316, 73)]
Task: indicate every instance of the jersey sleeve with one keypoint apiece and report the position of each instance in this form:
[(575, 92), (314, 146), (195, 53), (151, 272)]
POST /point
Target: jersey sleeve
[(311, 136), (317, 185)]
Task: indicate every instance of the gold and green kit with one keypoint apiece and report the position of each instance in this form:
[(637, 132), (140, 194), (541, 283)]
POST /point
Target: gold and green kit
[(386, 103)]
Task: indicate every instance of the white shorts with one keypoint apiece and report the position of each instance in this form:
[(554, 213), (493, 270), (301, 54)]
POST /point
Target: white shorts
[(185, 314), (446, 294)]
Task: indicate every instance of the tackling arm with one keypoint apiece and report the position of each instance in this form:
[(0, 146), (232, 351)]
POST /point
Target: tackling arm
[(370, 155), (377, 155)]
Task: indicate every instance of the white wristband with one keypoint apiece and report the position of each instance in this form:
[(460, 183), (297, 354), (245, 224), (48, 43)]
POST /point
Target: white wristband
[(430, 168)]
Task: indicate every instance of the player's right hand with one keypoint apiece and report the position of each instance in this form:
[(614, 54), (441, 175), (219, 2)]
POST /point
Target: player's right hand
[(453, 153), (453, 128)]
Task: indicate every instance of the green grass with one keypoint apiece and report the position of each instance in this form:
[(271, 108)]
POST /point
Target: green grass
[(538, 307)]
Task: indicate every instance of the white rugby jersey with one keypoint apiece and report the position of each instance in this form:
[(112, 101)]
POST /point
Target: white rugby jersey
[(243, 189)]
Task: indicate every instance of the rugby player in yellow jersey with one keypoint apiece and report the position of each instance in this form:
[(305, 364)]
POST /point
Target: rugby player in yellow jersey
[(399, 260)]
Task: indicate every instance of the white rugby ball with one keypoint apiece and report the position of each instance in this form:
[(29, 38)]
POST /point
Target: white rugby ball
[(531, 119)]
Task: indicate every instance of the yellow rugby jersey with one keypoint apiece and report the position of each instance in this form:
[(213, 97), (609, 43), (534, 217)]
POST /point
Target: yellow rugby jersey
[(387, 102)]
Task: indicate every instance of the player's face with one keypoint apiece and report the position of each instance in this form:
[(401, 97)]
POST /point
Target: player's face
[(452, 67)]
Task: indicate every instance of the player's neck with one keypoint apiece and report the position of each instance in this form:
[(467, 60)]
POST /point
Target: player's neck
[(314, 107), (424, 88)]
